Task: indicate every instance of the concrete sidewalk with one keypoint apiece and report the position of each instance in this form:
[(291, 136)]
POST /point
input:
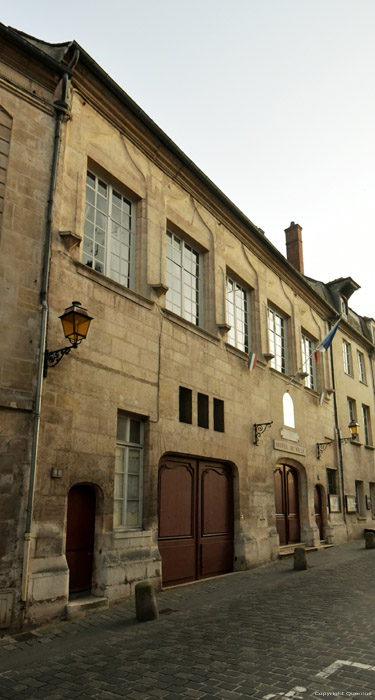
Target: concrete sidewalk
[(265, 633)]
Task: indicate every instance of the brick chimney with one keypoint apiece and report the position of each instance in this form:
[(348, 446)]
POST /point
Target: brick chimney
[(294, 249)]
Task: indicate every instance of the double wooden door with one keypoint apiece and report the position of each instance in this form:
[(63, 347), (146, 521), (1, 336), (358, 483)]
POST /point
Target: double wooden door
[(287, 504), (195, 519)]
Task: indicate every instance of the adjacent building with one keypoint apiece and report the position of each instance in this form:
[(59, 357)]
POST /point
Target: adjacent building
[(193, 432)]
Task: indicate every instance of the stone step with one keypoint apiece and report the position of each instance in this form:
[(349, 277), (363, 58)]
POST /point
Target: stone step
[(81, 606), (288, 550)]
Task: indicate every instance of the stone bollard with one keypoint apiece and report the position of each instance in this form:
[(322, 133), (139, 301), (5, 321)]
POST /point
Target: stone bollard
[(370, 540), (300, 562), (146, 607)]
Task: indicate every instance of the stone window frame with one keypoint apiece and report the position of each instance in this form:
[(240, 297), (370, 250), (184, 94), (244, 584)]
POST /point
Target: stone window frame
[(347, 357), (352, 409), (332, 481), (279, 349), (239, 319), (179, 297), (308, 361), (361, 367), (125, 277), (366, 417)]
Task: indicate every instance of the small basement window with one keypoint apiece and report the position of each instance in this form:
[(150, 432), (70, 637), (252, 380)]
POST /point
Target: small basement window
[(202, 405), (219, 415), (185, 405)]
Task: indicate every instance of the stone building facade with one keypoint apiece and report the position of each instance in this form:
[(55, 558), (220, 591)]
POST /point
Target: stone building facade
[(179, 440)]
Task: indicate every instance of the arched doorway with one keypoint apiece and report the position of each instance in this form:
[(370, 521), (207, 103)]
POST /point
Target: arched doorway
[(318, 509), (80, 536), (196, 521), (287, 504)]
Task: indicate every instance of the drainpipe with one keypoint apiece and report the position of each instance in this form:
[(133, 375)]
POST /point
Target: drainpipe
[(338, 434), (61, 106)]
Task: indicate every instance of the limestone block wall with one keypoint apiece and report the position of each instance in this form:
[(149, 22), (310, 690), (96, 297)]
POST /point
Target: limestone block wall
[(358, 458), (26, 137), (138, 354)]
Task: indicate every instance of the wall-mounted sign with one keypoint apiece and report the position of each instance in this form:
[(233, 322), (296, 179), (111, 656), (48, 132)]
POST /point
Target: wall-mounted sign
[(334, 503), (289, 447), (351, 504)]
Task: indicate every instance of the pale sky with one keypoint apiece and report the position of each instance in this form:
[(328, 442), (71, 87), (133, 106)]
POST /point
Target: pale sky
[(273, 99)]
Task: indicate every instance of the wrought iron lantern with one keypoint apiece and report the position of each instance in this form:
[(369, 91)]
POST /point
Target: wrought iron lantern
[(75, 322), (354, 432)]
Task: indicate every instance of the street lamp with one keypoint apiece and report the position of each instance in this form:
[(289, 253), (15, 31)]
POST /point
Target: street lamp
[(354, 431), (75, 322)]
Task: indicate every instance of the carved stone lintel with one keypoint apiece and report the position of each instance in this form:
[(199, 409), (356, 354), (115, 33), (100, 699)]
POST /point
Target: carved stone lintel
[(71, 239)]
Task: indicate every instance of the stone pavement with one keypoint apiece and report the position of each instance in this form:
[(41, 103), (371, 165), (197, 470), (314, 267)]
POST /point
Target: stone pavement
[(266, 633)]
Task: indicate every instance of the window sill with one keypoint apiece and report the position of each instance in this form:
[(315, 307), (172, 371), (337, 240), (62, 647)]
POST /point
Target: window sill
[(281, 375), (313, 392), (238, 353), (370, 447), (113, 286), (180, 321), (123, 534)]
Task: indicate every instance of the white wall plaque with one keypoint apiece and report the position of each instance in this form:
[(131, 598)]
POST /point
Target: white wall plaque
[(289, 447)]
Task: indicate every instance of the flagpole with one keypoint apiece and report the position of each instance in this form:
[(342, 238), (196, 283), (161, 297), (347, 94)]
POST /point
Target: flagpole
[(317, 349)]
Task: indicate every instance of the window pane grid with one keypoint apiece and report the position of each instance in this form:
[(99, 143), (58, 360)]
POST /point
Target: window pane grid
[(308, 365), (237, 315), (108, 231), (128, 473), (361, 367), (348, 369), (351, 410), (277, 341), (366, 424), (183, 279)]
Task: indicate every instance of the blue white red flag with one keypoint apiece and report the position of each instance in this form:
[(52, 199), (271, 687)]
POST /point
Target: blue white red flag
[(326, 342), (252, 360)]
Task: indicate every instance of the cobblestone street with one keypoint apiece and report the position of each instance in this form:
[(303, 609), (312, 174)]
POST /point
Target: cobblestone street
[(266, 633)]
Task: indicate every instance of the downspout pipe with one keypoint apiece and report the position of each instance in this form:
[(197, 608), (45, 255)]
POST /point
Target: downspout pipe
[(61, 107)]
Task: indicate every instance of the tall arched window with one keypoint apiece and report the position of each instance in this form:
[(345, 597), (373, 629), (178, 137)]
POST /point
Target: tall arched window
[(288, 410)]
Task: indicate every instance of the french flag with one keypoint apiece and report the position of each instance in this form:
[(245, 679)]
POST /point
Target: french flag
[(327, 341), (252, 360)]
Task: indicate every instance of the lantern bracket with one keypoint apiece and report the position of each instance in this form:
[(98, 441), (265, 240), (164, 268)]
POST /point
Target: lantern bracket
[(53, 357), (259, 429)]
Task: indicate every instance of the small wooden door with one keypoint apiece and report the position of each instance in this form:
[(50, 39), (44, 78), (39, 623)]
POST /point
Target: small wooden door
[(318, 510), (80, 534), (287, 504), (195, 520)]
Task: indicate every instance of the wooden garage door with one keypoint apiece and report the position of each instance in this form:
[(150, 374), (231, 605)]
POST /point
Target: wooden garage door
[(195, 519)]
